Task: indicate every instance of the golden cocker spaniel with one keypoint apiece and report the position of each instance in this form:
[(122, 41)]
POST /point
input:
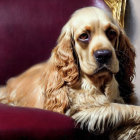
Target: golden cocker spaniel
[(88, 77)]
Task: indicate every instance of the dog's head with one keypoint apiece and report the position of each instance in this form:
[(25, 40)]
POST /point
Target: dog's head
[(95, 35), (92, 44)]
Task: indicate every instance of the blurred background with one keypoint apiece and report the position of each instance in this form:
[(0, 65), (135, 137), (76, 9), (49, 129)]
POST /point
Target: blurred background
[(132, 27)]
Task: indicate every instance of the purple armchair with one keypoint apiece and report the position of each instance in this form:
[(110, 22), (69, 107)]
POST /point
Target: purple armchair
[(28, 32)]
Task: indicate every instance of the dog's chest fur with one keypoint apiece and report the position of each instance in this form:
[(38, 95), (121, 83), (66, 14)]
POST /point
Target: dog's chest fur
[(87, 94)]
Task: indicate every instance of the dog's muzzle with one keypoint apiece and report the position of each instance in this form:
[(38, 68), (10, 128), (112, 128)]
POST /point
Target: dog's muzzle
[(103, 59)]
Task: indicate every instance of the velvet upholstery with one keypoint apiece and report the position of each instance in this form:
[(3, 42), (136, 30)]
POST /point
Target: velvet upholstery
[(22, 123), (18, 123), (28, 32)]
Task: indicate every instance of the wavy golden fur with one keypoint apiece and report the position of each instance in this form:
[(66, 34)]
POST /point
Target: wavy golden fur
[(88, 77)]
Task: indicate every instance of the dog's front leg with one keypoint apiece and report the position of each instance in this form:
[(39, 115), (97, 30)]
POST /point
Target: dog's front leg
[(100, 118)]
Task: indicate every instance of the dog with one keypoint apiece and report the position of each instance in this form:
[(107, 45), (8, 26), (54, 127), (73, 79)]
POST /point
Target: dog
[(88, 77)]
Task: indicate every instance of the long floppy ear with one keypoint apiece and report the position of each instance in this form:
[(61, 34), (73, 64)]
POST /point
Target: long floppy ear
[(62, 71), (126, 55), (65, 57)]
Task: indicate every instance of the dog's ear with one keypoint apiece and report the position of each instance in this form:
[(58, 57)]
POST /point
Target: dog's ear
[(62, 71), (126, 55), (65, 57)]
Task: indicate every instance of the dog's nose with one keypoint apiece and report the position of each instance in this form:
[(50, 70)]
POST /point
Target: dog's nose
[(103, 56)]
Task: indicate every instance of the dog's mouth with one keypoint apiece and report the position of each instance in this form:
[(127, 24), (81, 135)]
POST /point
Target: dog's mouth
[(101, 76), (102, 70)]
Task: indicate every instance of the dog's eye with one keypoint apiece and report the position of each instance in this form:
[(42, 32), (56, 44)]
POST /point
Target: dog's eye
[(84, 37), (111, 34)]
